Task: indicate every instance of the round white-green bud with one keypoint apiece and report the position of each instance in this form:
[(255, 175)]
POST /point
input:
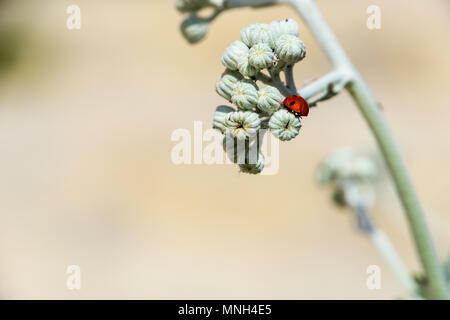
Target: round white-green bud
[(289, 49), (217, 3), (227, 82), (256, 33), (194, 29), (269, 99), (245, 68), (358, 194), (242, 124), (219, 117), (253, 168), (284, 125), (233, 54), (245, 95), (331, 168), (282, 27), (361, 168), (190, 5), (261, 56), (241, 151)]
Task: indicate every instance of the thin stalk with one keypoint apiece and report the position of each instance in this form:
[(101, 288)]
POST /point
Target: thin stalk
[(289, 73), (384, 246), (369, 109), (249, 3), (321, 84), (275, 75)]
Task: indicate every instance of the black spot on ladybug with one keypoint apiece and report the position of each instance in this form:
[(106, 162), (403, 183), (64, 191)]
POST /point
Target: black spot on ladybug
[(292, 103)]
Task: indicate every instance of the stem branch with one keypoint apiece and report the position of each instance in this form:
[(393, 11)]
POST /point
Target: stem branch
[(322, 84), (384, 246), (289, 73), (275, 75), (249, 3), (369, 109)]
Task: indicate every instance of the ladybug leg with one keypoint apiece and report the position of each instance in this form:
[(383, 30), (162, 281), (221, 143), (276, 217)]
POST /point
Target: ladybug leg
[(297, 114)]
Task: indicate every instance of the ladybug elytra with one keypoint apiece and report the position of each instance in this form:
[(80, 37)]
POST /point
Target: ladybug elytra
[(296, 105)]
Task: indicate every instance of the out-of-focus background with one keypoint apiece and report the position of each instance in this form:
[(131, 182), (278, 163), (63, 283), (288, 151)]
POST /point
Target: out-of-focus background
[(86, 176)]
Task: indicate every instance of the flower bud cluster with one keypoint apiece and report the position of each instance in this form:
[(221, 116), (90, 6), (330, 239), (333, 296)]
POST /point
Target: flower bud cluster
[(269, 47), (193, 6), (193, 27), (264, 46), (353, 176)]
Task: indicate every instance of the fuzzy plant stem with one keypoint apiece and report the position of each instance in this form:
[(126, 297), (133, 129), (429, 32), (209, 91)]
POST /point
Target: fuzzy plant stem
[(384, 246), (387, 250), (321, 84), (369, 108)]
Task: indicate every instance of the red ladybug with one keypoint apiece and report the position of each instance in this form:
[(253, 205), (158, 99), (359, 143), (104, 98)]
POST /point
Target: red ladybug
[(296, 105)]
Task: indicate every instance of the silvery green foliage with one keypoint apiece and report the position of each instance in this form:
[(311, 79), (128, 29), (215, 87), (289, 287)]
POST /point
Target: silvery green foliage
[(194, 29), (353, 175), (257, 55), (284, 125)]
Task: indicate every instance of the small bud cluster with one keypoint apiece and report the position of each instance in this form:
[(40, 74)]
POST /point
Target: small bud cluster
[(353, 176), (263, 47), (193, 27)]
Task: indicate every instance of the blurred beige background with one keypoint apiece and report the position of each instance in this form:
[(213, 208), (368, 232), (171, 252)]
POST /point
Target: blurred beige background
[(86, 176)]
